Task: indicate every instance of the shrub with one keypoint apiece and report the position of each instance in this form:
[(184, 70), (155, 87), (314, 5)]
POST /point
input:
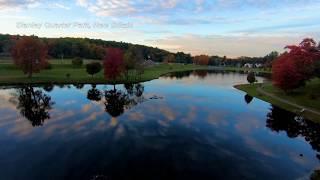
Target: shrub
[(48, 66), (251, 77), (93, 68), (68, 75), (77, 62)]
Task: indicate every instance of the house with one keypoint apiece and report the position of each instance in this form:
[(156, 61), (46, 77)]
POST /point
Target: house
[(248, 65), (258, 65)]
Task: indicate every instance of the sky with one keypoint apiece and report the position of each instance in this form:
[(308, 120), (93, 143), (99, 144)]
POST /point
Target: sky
[(232, 28)]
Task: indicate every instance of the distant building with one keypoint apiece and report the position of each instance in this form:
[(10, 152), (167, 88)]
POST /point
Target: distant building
[(248, 65), (258, 65)]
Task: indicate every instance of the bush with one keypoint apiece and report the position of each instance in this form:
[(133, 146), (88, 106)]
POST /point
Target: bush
[(48, 66), (251, 77), (93, 68), (77, 62), (68, 75)]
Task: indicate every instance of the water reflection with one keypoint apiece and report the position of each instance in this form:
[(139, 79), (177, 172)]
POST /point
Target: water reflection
[(48, 87), (34, 105), (202, 74), (200, 129), (78, 86), (280, 120), (117, 100), (94, 94), (315, 175), (248, 98)]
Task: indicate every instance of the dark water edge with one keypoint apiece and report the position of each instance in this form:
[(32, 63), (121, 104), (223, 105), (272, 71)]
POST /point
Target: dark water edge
[(189, 126)]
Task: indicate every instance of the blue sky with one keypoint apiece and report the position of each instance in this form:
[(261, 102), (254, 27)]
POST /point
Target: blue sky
[(214, 27)]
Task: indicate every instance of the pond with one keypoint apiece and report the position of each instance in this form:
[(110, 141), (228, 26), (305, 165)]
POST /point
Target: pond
[(189, 125)]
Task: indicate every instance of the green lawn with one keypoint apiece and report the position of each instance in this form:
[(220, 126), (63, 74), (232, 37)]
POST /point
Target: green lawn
[(259, 70), (308, 96), (9, 74)]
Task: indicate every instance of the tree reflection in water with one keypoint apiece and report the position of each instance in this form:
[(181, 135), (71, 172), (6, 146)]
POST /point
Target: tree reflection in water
[(94, 94), (117, 101), (248, 98), (34, 105), (48, 87), (78, 86), (200, 73), (179, 75), (281, 120)]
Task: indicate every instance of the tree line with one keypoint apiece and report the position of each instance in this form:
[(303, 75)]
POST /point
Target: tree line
[(30, 55), (60, 48)]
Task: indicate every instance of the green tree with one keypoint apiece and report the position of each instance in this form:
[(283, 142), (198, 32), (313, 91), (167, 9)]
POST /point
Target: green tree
[(270, 58), (93, 68), (251, 77), (170, 58), (77, 62), (183, 58), (131, 58)]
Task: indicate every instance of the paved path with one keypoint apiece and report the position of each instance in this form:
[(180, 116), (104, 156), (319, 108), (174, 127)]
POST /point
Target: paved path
[(259, 89)]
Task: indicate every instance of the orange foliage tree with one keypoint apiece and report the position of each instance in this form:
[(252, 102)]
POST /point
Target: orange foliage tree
[(113, 63), (169, 59), (30, 54), (201, 60), (294, 67)]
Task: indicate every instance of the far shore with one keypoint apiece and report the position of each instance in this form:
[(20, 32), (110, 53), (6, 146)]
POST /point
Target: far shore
[(63, 72)]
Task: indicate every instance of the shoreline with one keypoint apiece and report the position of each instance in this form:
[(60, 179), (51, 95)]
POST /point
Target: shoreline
[(57, 75), (258, 91)]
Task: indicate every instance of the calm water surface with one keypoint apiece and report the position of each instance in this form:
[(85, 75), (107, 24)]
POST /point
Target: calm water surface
[(191, 125)]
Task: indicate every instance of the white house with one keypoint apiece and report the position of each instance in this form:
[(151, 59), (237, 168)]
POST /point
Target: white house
[(248, 65)]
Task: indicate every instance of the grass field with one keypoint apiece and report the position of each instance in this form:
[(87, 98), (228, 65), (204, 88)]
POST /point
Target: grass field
[(9, 74), (308, 97), (259, 70)]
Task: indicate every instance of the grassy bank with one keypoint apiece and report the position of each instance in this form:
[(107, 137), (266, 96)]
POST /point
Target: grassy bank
[(307, 97), (9, 74), (258, 70)]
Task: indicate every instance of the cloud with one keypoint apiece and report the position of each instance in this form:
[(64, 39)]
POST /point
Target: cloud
[(230, 45), (262, 4), (280, 27), (61, 6), (17, 4), (136, 7)]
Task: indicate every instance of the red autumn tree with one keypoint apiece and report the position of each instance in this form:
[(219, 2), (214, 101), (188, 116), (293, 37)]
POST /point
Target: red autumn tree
[(201, 60), (30, 54), (113, 63), (293, 68)]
